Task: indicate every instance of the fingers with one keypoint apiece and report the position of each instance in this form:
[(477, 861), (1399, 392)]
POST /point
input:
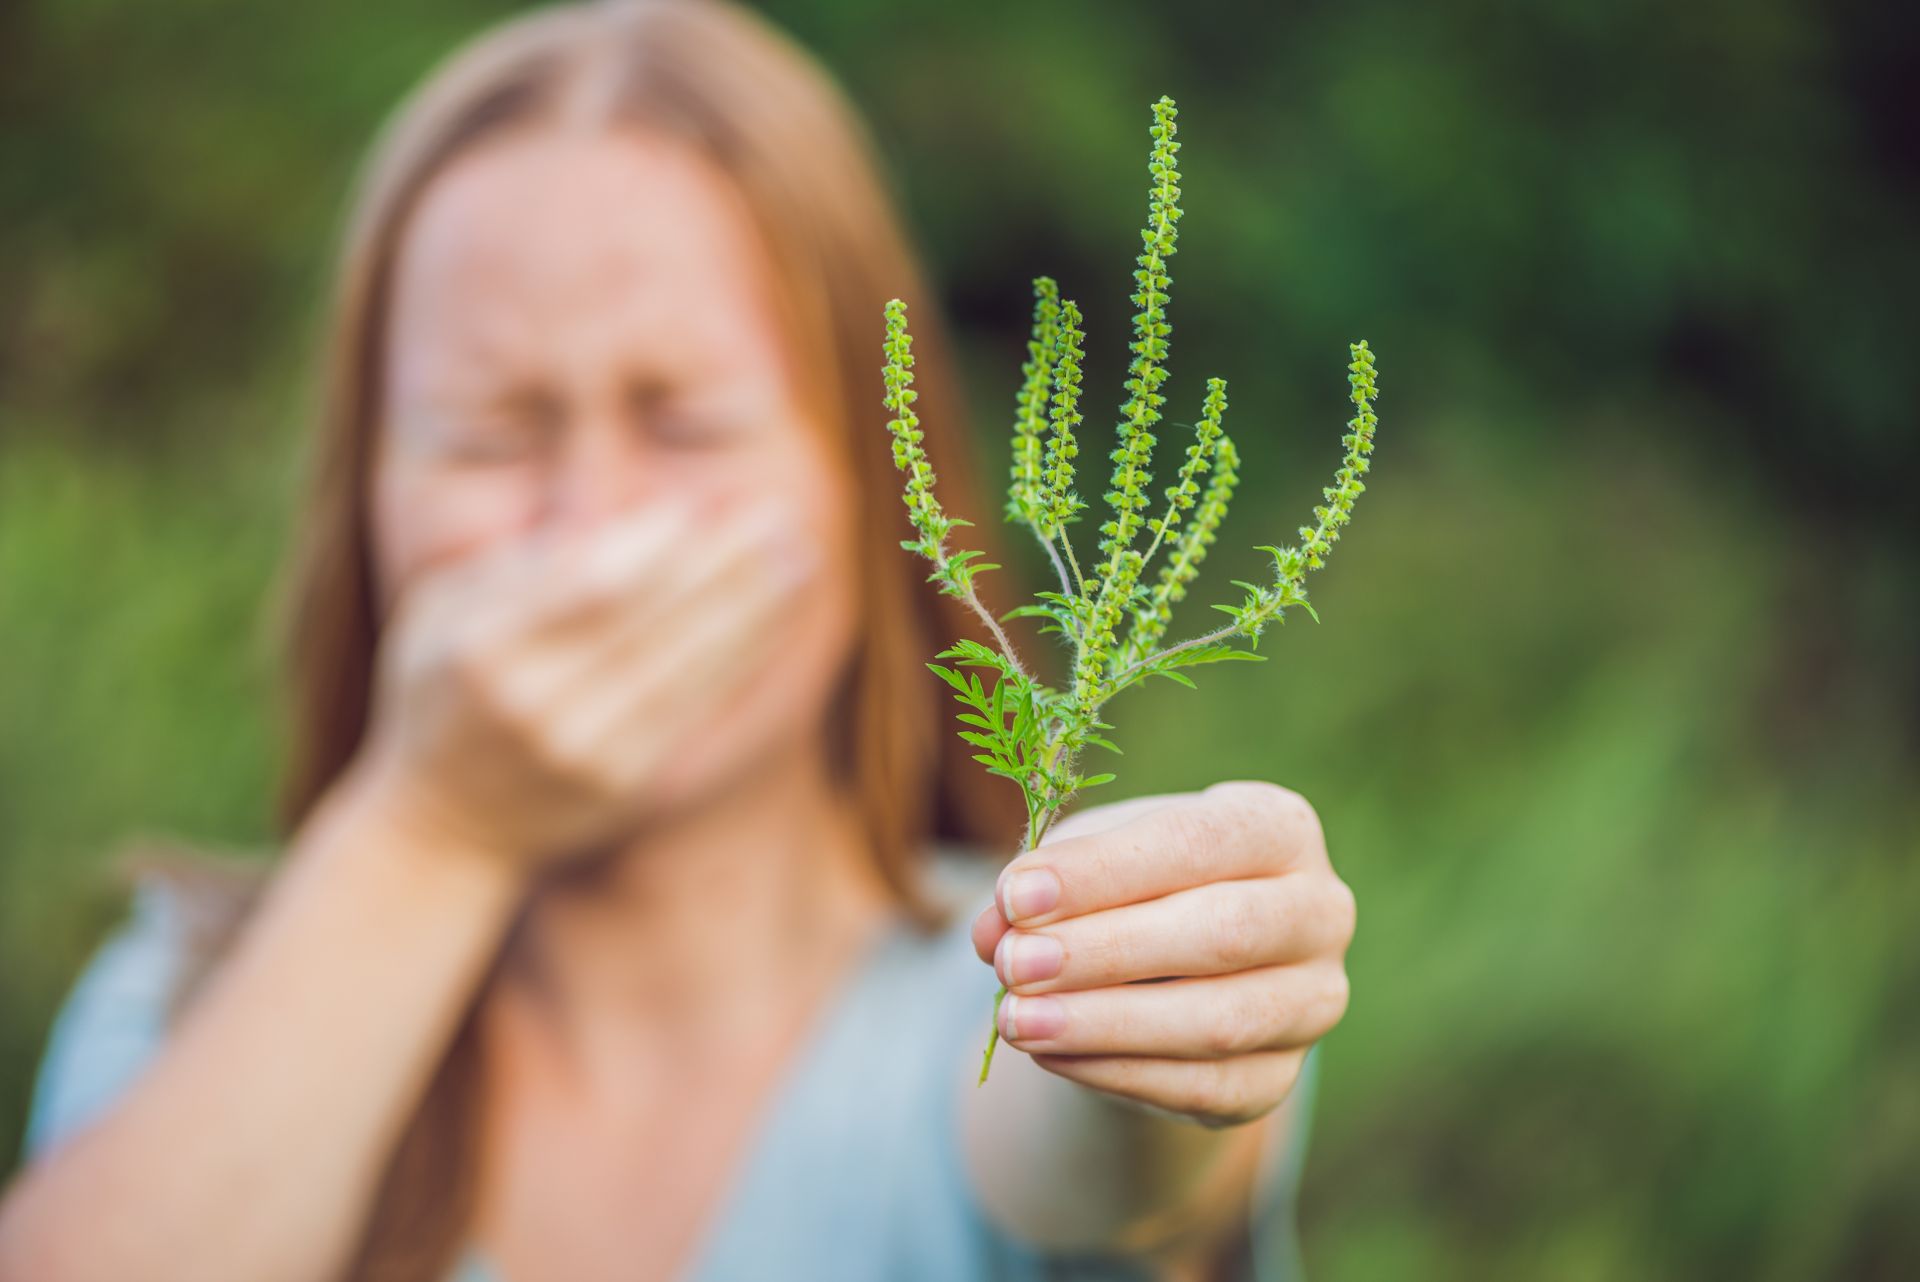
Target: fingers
[(1213, 1092), (1232, 830), (987, 929), (1273, 1008), (502, 585), (648, 568), (1210, 929), (624, 618), (663, 676)]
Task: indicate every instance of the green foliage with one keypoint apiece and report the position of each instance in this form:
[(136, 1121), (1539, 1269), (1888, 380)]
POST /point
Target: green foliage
[(1027, 732)]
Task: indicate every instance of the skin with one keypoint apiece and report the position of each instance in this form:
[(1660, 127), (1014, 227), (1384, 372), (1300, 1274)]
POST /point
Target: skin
[(620, 589)]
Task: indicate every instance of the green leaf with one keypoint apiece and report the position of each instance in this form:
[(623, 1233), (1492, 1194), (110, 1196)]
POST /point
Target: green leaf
[(1206, 654), (1094, 781), (949, 676)]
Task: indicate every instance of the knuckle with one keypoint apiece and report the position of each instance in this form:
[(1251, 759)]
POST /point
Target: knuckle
[(1240, 1029), (1238, 932), (1189, 834), (1344, 909), (1262, 797), (1284, 1081), (1275, 810), (1301, 823), (1100, 953), (1334, 999), (1256, 793), (1211, 1097)]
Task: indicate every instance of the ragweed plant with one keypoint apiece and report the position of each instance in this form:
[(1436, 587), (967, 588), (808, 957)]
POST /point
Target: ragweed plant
[(1111, 618)]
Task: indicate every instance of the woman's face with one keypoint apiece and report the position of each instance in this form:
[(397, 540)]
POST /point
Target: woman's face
[(582, 324)]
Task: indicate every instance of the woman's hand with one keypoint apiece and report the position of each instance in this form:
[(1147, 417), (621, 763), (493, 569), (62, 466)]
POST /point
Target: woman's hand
[(528, 695), (1227, 897)]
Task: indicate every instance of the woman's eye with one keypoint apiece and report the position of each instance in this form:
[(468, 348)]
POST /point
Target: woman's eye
[(507, 432), (680, 421), (489, 443)]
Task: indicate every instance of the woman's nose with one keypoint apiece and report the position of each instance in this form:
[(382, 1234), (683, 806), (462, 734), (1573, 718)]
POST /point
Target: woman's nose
[(599, 473)]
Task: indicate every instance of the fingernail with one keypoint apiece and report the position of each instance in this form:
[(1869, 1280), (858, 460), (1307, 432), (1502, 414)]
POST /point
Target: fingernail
[(1028, 959), (1028, 893), (1033, 1019)]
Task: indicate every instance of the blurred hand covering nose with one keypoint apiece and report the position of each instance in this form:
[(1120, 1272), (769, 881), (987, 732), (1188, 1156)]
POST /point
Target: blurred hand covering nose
[(540, 696)]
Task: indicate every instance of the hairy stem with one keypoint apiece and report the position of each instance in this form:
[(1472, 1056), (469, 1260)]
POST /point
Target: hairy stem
[(1219, 634), (1067, 543), (1000, 638), (1059, 566)]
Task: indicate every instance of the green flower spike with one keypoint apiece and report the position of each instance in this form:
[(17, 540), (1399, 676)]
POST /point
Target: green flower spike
[(1030, 406), (1132, 457), (1022, 730)]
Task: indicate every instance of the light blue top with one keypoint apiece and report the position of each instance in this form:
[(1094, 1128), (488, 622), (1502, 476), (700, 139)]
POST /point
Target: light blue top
[(855, 1173)]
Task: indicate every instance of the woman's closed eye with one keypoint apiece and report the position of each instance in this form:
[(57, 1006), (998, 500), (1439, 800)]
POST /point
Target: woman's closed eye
[(509, 429), (683, 420)]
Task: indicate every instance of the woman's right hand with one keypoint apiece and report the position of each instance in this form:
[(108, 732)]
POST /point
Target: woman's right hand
[(527, 695)]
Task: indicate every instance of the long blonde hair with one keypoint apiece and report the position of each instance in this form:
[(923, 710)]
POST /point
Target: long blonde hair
[(711, 74)]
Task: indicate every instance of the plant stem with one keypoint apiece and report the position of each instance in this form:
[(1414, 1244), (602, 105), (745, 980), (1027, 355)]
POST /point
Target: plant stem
[(1059, 567), (986, 1060), (1219, 634), (1035, 835), (972, 599), (1067, 543)]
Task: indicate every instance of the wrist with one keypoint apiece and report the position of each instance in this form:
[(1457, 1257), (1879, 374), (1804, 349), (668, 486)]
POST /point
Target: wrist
[(370, 810)]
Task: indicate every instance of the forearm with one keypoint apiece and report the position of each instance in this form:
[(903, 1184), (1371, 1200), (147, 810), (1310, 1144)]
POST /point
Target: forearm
[(1065, 1167), (252, 1145)]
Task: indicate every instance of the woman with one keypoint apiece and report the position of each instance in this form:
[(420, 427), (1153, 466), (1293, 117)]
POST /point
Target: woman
[(614, 936)]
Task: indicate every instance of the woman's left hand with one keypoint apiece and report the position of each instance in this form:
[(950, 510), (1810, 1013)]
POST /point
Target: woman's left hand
[(1228, 898)]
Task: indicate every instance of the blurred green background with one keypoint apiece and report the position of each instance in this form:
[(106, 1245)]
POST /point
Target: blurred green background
[(1614, 717)]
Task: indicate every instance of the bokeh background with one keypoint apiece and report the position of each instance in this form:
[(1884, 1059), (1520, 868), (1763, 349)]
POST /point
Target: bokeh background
[(1613, 719)]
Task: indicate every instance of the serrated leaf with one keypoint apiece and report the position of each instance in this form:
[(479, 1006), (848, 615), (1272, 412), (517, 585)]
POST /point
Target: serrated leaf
[(949, 676), (1203, 654)]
